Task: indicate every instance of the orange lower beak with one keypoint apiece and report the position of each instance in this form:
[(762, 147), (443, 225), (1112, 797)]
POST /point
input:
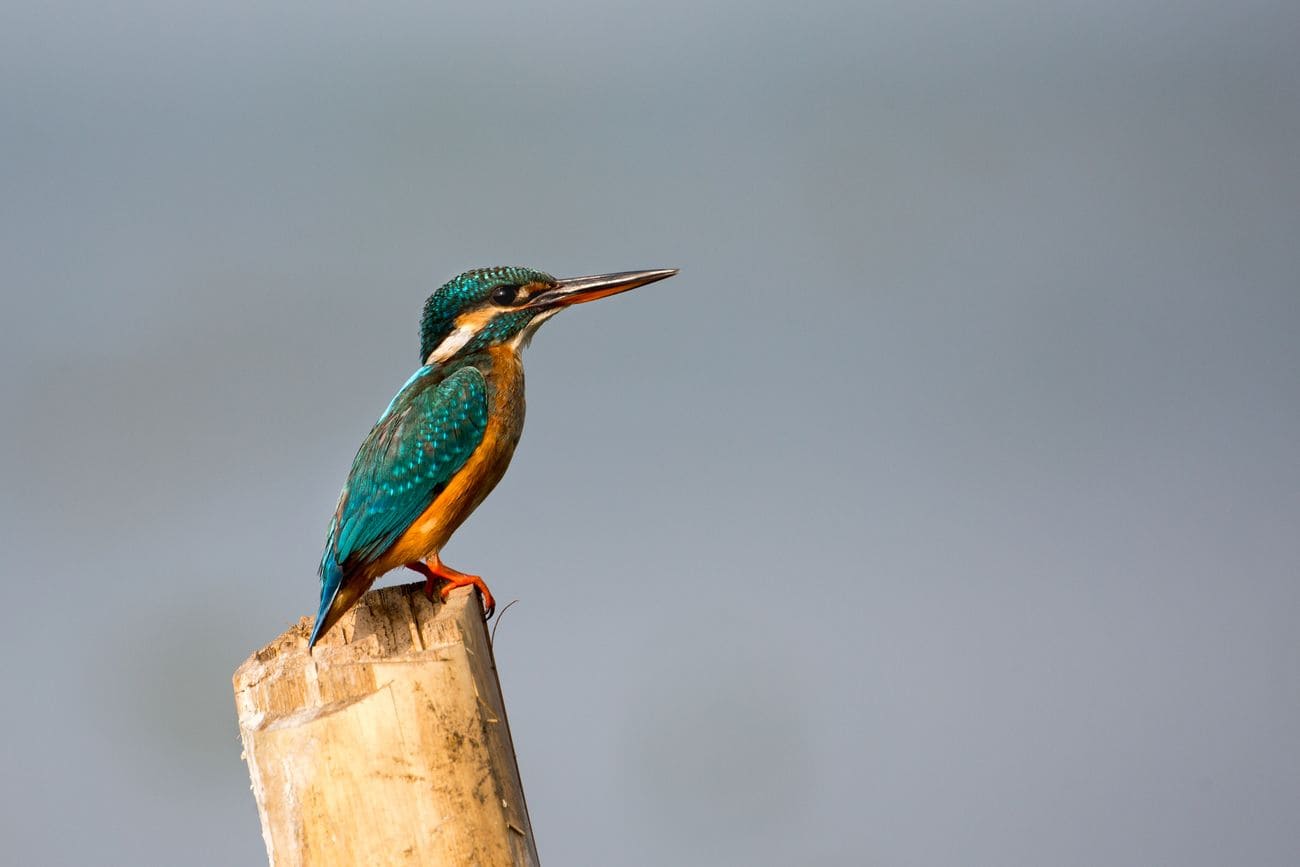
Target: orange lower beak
[(579, 290)]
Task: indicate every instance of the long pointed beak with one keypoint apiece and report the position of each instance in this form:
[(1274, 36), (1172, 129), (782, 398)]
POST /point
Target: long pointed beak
[(578, 290)]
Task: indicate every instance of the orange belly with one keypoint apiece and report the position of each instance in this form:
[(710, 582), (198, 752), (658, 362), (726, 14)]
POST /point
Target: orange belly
[(504, 375)]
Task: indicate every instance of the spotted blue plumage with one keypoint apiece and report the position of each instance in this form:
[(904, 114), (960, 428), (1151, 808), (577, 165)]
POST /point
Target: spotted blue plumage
[(426, 435), (430, 459)]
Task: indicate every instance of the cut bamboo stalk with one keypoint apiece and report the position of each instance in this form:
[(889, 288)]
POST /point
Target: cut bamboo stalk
[(387, 745)]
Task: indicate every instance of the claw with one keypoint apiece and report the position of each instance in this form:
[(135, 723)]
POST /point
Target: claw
[(489, 604), (434, 571)]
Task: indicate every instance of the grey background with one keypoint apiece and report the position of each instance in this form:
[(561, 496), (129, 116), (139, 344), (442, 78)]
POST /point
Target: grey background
[(942, 511)]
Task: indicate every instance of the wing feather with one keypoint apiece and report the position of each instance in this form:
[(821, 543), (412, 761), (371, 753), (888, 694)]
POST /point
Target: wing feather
[(428, 433)]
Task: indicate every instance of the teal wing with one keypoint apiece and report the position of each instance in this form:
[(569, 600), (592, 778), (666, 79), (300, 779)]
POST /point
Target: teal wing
[(428, 433)]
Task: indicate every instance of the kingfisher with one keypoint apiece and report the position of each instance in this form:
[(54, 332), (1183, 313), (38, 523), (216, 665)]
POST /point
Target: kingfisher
[(448, 435)]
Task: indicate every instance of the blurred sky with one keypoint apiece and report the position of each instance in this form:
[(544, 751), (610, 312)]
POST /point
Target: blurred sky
[(942, 511)]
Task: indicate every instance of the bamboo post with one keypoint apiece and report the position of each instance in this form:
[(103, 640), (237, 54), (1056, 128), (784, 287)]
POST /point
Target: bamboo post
[(387, 745)]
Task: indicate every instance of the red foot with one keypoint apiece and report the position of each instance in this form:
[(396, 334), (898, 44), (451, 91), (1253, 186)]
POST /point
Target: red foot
[(436, 571), (429, 578)]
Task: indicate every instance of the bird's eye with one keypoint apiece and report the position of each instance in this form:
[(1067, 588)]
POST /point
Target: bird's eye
[(504, 296)]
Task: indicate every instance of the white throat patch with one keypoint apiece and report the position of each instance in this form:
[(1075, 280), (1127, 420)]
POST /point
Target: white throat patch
[(523, 338)]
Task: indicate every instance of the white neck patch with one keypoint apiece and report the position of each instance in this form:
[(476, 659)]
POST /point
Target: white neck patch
[(451, 344), (467, 326)]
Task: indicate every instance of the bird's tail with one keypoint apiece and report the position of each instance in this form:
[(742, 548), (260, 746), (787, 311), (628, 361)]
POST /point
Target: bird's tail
[(331, 581)]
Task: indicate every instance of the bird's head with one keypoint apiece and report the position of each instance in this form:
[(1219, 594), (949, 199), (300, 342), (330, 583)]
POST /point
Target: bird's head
[(504, 306)]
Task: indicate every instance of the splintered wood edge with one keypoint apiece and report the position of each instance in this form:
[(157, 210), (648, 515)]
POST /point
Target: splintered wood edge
[(370, 631)]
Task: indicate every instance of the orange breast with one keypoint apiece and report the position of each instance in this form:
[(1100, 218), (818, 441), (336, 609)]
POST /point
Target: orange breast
[(504, 375)]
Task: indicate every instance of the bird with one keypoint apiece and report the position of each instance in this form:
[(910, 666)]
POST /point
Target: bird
[(449, 433)]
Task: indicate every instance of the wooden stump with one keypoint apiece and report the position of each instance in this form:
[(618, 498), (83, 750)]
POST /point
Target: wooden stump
[(387, 745)]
